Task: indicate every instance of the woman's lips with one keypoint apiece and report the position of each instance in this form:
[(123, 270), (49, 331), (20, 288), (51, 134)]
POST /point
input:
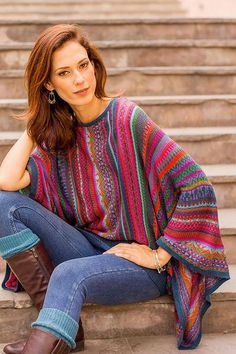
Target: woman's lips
[(82, 93)]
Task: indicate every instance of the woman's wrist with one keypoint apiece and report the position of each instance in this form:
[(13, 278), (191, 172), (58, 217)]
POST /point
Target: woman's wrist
[(160, 258)]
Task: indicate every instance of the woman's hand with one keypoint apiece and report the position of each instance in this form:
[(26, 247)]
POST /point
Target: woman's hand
[(139, 254)]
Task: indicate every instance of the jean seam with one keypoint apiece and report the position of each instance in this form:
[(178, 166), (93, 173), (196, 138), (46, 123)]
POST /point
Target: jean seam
[(94, 274), (11, 212), (11, 219), (96, 236)]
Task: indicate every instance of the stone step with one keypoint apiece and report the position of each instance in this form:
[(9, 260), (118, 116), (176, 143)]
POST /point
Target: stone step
[(174, 80), (189, 111), (210, 343), (207, 145), (118, 54), (163, 13), (86, 8), (27, 30), (227, 222), (166, 111), (223, 178), (154, 317), (81, 2), (209, 8)]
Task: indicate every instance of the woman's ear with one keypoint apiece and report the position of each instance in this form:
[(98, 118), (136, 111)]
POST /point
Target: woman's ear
[(49, 86)]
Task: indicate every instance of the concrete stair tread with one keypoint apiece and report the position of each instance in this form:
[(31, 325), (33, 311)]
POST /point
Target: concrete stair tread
[(206, 43), (191, 132), (96, 15), (179, 98), (145, 99), (218, 170), (227, 221), (214, 343), (191, 70), (140, 53), (123, 20), (167, 81), (80, 1), (200, 131)]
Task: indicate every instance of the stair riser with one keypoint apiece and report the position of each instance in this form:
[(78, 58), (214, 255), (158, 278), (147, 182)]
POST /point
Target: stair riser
[(225, 194), (205, 113), (122, 31), (138, 84), (15, 323), (90, 16), (115, 321), (230, 245), (51, 9), (122, 57), (202, 114), (7, 123), (215, 150)]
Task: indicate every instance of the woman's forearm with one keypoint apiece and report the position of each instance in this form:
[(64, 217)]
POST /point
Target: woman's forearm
[(14, 164)]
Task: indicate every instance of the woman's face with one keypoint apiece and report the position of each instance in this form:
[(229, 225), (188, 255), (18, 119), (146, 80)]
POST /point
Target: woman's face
[(71, 72)]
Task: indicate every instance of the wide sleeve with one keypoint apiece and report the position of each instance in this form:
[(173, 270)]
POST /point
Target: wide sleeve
[(44, 184), (186, 210)]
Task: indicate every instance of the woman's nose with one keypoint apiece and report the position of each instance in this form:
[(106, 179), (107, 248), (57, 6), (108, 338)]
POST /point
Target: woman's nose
[(78, 77)]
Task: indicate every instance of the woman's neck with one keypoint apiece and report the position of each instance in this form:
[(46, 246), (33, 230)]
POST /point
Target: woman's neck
[(87, 113)]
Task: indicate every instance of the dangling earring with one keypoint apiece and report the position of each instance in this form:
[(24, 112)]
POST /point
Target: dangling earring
[(51, 97)]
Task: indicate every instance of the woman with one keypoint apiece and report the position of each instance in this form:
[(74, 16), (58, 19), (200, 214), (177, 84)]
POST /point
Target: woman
[(107, 206)]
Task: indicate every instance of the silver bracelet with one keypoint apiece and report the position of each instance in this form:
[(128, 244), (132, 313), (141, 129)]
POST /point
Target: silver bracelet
[(157, 262)]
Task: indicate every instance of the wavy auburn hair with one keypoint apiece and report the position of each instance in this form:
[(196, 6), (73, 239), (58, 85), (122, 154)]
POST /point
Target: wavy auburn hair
[(52, 126)]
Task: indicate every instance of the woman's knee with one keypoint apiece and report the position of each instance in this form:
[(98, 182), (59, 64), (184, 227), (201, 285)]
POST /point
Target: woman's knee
[(70, 271), (8, 199), (63, 278), (9, 202)]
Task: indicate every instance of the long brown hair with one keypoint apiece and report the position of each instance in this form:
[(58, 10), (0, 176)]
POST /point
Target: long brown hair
[(52, 126)]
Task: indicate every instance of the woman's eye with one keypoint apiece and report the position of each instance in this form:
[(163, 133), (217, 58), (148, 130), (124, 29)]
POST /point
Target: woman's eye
[(84, 65), (63, 73)]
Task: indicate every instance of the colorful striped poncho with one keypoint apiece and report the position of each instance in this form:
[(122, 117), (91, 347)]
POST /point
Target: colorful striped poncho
[(127, 180)]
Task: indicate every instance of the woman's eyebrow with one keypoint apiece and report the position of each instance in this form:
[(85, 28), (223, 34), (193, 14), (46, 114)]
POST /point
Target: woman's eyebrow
[(65, 67)]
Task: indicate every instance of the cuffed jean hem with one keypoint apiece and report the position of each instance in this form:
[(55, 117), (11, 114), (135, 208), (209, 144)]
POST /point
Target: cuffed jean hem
[(59, 324), (16, 243)]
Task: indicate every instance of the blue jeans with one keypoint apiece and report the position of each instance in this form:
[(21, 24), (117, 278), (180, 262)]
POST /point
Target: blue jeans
[(82, 274)]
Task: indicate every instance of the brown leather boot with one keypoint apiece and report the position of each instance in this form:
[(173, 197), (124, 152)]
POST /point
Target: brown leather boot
[(42, 342), (33, 269)]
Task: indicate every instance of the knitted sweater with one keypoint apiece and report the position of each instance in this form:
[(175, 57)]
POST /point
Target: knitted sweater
[(127, 180)]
